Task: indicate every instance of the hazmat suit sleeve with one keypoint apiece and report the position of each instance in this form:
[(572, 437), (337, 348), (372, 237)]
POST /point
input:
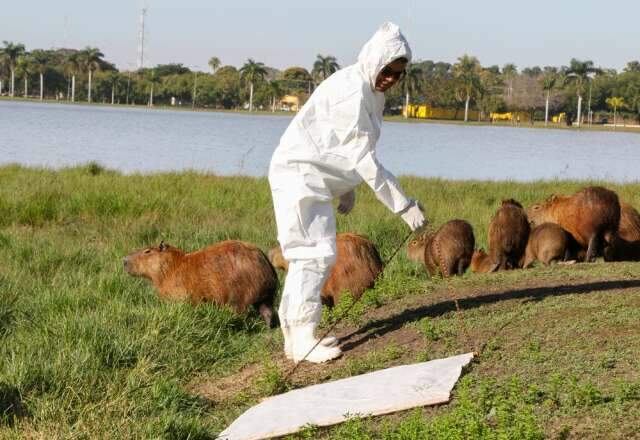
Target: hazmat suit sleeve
[(382, 182)]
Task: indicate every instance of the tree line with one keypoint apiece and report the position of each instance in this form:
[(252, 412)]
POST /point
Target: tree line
[(581, 90)]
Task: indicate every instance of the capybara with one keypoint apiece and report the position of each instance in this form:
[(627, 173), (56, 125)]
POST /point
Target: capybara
[(508, 235), (358, 264), (415, 248), (547, 242), (625, 246), (449, 249), (591, 216), (481, 262), (232, 272)]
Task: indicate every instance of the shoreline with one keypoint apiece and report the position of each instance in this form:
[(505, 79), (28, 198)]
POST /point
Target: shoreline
[(395, 118)]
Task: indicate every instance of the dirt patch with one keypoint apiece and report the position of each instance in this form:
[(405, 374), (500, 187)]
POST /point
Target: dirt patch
[(491, 317)]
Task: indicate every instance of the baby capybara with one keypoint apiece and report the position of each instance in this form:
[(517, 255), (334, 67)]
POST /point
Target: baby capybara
[(591, 216), (232, 272), (358, 264), (481, 262), (508, 235), (625, 245), (448, 251), (548, 242)]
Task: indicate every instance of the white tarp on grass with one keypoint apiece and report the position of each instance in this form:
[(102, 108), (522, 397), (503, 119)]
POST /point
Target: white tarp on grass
[(380, 392)]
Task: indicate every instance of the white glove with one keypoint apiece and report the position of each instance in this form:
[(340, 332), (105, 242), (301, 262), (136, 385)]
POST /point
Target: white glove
[(413, 216), (347, 202)]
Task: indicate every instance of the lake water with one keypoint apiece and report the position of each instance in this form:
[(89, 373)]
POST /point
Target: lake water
[(142, 140)]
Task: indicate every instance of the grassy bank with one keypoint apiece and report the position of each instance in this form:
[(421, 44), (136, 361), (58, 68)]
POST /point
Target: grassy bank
[(88, 352)]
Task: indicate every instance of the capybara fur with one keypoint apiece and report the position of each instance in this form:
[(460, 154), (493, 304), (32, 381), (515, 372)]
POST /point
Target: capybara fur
[(481, 262), (591, 216), (508, 235), (625, 246), (357, 267), (232, 273), (548, 243), (448, 251)]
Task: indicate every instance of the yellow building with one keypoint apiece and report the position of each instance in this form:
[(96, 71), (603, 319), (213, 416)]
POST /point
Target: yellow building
[(290, 103), (427, 112)]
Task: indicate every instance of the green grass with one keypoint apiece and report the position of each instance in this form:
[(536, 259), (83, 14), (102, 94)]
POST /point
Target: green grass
[(88, 352)]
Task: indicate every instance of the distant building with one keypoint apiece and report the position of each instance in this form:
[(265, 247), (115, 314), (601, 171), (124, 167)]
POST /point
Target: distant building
[(289, 103)]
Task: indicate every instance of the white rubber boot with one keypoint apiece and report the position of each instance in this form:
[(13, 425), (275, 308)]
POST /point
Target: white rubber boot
[(304, 339), (329, 341)]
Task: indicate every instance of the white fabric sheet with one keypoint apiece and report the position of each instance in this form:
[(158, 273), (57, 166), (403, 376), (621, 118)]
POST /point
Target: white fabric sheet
[(380, 392)]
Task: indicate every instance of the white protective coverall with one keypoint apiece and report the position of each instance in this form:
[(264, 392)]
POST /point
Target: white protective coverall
[(328, 150)]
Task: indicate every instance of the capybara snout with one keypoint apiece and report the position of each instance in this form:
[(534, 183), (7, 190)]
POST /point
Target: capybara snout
[(232, 273)]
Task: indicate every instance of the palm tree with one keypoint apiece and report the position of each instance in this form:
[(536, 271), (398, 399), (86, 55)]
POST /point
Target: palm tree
[(91, 57), (324, 67), (467, 73), (12, 52), (251, 72), (578, 73), (509, 72), (411, 84), (615, 102), (113, 78), (40, 60), (72, 68), (276, 92), (152, 79), (214, 63), (24, 68), (549, 80)]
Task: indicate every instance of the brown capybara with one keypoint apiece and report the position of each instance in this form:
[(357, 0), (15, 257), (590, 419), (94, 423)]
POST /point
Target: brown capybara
[(625, 246), (448, 251), (508, 235), (232, 272), (358, 264), (591, 216), (548, 242), (415, 248), (481, 262)]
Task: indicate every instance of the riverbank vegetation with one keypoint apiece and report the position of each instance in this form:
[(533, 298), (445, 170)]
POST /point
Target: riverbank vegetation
[(89, 352), (579, 92)]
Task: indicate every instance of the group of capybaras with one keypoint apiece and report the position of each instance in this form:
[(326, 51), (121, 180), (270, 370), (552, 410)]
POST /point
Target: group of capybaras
[(592, 222)]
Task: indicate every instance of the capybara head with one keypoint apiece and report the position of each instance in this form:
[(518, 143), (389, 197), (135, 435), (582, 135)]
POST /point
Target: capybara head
[(539, 213), (481, 262), (415, 248), (151, 262), (277, 260)]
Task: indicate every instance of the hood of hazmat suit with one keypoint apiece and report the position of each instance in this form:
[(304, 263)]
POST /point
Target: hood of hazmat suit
[(332, 139)]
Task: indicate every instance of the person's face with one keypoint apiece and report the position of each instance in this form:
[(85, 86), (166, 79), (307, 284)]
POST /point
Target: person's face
[(390, 74)]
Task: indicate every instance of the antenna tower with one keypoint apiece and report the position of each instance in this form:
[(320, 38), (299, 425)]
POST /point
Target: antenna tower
[(143, 14)]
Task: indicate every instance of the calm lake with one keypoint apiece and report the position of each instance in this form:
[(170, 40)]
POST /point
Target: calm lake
[(142, 140)]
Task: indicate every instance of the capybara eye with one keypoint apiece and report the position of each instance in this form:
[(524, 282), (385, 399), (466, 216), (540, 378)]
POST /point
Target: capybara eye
[(414, 242), (147, 251)]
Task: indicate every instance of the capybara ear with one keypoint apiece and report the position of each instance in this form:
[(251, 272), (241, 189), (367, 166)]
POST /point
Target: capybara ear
[(163, 246)]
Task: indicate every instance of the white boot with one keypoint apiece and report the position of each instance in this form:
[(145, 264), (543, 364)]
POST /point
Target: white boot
[(329, 341), (303, 339)]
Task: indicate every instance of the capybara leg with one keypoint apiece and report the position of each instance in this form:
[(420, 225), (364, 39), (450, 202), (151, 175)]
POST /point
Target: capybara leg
[(266, 311), (567, 254), (463, 263), (528, 261), (592, 250)]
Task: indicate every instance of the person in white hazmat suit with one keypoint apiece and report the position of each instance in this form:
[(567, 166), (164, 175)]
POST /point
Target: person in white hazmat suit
[(328, 150)]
